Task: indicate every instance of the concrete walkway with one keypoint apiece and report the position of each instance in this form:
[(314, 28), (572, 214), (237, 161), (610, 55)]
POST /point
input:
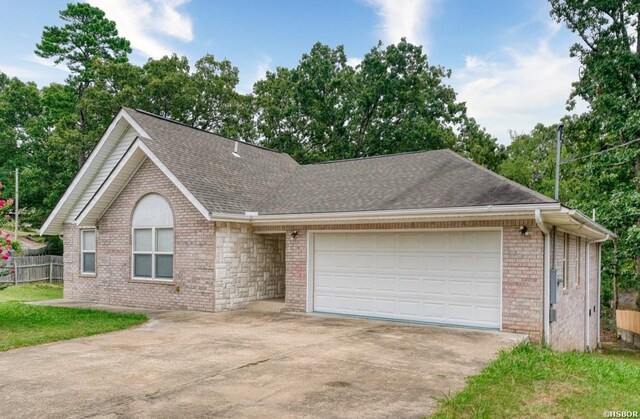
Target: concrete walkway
[(246, 364)]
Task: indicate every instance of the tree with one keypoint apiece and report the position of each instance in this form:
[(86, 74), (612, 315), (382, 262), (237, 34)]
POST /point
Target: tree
[(304, 111), (608, 52), (394, 101), (86, 37)]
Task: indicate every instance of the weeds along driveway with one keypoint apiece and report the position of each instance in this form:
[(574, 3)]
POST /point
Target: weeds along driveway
[(247, 364)]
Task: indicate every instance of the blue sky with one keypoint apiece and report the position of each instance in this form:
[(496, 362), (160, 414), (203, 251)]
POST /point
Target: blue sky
[(509, 59)]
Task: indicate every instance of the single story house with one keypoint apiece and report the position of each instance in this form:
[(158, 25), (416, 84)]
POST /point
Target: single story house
[(163, 215)]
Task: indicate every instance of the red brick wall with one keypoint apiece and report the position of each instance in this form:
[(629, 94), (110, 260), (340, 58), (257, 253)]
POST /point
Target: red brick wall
[(523, 259), (194, 253)]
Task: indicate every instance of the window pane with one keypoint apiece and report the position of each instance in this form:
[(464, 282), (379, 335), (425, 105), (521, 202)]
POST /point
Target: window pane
[(164, 266), (89, 263), (88, 240), (164, 240), (142, 240), (142, 266)]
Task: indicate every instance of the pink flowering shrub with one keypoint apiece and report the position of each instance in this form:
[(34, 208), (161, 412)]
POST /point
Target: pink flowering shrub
[(5, 241)]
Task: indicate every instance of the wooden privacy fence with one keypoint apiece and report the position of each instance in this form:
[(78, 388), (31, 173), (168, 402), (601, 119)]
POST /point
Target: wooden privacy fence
[(33, 268), (628, 320)]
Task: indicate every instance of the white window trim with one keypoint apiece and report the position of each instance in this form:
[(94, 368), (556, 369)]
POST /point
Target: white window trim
[(152, 253), (83, 251)]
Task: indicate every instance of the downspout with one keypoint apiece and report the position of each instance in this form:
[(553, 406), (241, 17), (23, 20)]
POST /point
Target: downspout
[(545, 278), (587, 329)]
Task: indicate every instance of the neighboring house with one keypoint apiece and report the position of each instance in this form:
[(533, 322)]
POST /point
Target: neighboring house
[(163, 215)]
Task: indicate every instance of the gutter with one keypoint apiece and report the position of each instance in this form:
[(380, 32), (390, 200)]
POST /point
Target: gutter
[(492, 210), (587, 329), (546, 279)]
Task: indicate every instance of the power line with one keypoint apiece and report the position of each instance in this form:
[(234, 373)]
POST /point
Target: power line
[(601, 151)]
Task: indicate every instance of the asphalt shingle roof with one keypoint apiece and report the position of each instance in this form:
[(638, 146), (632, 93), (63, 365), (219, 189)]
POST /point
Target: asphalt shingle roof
[(269, 182), (204, 163)]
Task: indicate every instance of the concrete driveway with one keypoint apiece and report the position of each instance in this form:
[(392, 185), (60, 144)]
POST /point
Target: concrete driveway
[(247, 364)]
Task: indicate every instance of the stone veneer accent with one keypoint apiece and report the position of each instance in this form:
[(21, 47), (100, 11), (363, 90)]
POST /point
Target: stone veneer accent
[(249, 266), (194, 253), (522, 274)]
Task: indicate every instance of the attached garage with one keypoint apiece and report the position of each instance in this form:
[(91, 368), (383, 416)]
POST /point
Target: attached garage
[(445, 277)]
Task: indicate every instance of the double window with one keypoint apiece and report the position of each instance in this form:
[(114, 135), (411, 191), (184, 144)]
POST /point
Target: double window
[(88, 251), (152, 247)]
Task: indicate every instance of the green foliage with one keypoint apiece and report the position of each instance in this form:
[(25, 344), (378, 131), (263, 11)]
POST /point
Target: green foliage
[(394, 101), (86, 37), (610, 60)]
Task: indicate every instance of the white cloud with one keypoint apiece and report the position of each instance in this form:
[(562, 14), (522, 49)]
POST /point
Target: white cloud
[(46, 63), (514, 89), (354, 61), (403, 18), (263, 65), (148, 23), (36, 69)]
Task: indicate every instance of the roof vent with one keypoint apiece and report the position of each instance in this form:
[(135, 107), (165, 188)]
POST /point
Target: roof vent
[(235, 150)]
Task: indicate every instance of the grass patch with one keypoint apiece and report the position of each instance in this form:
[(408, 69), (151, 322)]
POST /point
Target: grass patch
[(529, 381), (25, 325), (31, 292)]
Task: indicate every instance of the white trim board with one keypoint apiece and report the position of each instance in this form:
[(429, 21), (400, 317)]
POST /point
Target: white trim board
[(138, 153), (80, 177)]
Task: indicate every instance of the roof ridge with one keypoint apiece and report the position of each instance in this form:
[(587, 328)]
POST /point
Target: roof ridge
[(377, 156), (173, 121), (504, 179)]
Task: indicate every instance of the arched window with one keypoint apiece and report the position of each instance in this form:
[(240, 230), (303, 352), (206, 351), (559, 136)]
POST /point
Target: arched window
[(152, 224)]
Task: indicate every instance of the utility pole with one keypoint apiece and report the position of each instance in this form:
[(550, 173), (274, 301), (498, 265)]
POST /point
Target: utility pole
[(17, 204), (558, 148)]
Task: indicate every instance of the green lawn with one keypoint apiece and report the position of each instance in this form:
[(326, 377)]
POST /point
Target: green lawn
[(533, 382), (31, 292), (25, 325)]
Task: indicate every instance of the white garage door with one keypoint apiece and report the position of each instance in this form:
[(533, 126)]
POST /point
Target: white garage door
[(441, 277)]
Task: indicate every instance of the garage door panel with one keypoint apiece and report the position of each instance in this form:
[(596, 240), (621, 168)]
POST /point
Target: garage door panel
[(433, 311), (324, 280), (490, 264), (411, 285), (435, 263), (435, 241), (487, 289), (410, 242), (410, 262), (460, 288), (409, 309), (443, 277), (434, 286), (385, 242), (460, 312), (364, 261), (489, 315)]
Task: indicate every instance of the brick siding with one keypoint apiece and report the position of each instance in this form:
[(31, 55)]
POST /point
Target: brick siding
[(567, 332), (194, 253)]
